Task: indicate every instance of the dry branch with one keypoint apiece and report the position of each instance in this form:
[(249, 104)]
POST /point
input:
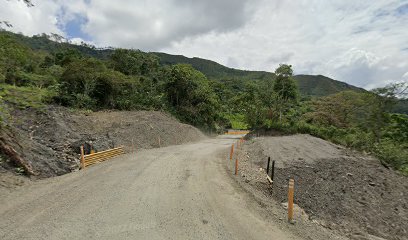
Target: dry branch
[(14, 156)]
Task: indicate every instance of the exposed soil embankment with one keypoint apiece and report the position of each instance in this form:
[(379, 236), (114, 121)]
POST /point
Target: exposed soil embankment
[(48, 140), (338, 188)]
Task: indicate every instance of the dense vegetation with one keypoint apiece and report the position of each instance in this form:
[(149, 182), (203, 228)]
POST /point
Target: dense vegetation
[(114, 79), (309, 85), (35, 71)]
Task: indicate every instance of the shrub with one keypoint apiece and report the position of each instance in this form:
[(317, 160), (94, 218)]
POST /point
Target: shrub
[(393, 154)]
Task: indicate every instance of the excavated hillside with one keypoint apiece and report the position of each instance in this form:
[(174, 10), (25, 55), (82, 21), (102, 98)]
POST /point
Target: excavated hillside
[(45, 143)]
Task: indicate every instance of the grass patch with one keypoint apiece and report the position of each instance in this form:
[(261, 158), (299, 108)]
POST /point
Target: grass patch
[(25, 97), (237, 121)]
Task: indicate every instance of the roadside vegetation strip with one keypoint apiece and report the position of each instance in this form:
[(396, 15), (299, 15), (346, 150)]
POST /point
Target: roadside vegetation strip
[(90, 159)]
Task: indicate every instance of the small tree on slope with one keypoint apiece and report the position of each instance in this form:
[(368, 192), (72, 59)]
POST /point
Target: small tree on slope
[(285, 88)]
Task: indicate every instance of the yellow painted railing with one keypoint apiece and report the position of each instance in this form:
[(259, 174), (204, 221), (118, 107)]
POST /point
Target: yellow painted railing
[(87, 160), (237, 132)]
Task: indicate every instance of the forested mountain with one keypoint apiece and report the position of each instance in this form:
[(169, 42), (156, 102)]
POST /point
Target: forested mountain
[(213, 69), (309, 85), (55, 43), (318, 85)]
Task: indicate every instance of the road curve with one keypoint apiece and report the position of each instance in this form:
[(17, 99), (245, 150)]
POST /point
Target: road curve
[(176, 192)]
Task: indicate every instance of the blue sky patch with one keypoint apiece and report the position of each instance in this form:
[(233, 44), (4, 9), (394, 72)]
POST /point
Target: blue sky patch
[(402, 10), (70, 23), (73, 28)]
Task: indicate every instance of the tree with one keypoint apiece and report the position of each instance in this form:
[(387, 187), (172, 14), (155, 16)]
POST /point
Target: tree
[(254, 107), (268, 97), (383, 100), (285, 88), (343, 110), (79, 81), (190, 95), (134, 62), (67, 56), (13, 58)]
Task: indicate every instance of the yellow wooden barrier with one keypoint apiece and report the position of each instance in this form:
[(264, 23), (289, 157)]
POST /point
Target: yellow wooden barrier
[(237, 133), (87, 160)]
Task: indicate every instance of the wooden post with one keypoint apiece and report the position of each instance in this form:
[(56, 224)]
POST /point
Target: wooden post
[(290, 199), (92, 149), (159, 143), (273, 170), (236, 166), (267, 166), (232, 151), (82, 158)]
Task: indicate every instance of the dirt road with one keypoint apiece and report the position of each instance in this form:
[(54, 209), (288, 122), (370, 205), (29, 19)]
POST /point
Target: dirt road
[(177, 192)]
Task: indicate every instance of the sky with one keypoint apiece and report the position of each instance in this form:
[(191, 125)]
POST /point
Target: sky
[(363, 43)]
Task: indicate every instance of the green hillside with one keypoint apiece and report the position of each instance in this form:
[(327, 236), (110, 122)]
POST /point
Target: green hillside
[(212, 69), (43, 43), (318, 85), (309, 85)]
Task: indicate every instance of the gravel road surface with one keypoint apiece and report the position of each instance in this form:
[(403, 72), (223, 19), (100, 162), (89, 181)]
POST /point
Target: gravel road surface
[(176, 192)]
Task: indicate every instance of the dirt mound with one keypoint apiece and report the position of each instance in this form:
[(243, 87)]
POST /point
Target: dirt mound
[(296, 149), (338, 188), (49, 140)]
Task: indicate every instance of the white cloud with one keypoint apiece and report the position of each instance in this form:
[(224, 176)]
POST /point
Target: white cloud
[(361, 42), (31, 20), (80, 41), (363, 68), (154, 24)]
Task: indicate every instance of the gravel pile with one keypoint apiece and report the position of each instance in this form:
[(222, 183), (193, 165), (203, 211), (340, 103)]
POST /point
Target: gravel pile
[(49, 139), (340, 189)]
